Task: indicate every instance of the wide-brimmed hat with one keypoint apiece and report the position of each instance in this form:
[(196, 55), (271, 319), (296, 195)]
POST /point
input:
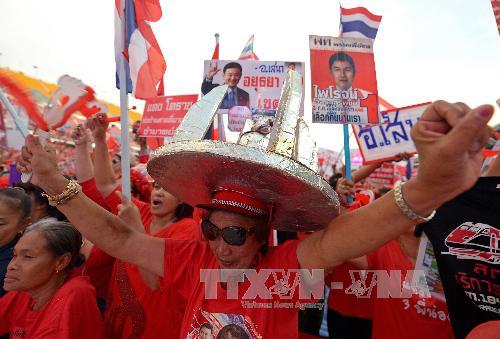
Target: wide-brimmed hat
[(278, 170)]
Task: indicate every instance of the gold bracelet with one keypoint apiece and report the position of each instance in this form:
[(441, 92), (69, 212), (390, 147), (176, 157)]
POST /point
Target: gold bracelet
[(407, 210), (70, 191)]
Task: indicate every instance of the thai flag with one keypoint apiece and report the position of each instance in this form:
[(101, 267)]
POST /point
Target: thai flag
[(144, 62), (358, 23), (247, 53)]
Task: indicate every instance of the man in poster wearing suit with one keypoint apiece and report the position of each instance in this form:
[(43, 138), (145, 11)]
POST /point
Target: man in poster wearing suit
[(231, 74)]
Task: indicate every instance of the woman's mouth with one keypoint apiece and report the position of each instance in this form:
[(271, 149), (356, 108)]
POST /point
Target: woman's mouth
[(225, 263), (10, 279), (156, 202)]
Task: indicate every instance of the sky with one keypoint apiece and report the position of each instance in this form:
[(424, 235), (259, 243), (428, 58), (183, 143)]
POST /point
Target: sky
[(425, 49)]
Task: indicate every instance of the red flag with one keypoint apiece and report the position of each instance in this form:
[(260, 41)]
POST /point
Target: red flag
[(496, 12), (161, 88), (215, 56)]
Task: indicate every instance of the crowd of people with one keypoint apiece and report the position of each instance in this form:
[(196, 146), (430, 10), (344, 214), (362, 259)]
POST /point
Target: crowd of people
[(78, 259)]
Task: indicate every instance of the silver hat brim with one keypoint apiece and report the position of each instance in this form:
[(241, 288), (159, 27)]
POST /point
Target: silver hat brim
[(192, 170)]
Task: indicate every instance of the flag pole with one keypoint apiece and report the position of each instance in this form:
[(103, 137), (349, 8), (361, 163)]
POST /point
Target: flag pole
[(347, 153), (124, 123), (21, 126)]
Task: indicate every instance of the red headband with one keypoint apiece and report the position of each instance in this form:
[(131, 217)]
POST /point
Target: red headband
[(238, 202)]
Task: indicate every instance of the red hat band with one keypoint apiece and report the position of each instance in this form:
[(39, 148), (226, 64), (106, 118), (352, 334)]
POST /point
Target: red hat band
[(237, 202)]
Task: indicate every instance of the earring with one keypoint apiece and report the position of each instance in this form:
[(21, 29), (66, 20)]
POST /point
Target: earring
[(57, 271)]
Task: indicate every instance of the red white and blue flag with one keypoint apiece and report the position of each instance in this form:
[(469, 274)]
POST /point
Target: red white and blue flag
[(358, 22), (144, 62), (361, 23), (247, 53)]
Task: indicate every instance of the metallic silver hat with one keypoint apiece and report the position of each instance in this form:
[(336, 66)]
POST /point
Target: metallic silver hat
[(278, 168)]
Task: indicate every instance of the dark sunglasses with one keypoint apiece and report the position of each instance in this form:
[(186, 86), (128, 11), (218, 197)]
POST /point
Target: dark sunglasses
[(233, 235)]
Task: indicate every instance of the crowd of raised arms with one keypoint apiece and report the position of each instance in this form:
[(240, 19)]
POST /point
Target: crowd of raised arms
[(78, 259)]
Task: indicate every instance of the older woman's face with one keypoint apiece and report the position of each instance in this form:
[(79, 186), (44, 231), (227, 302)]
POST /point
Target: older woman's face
[(32, 266), (234, 257)]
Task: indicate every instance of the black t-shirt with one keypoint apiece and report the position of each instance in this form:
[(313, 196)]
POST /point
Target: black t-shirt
[(465, 234)]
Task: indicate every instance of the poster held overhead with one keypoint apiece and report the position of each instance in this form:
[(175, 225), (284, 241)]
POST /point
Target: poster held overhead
[(253, 85), (392, 137), (343, 79), (162, 115)]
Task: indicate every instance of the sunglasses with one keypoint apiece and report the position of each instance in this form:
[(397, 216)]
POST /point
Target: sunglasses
[(233, 235)]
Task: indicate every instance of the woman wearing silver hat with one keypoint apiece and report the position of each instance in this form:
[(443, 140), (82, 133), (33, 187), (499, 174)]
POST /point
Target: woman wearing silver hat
[(245, 191)]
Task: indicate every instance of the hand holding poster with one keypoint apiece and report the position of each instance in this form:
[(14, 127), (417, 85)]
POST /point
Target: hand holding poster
[(344, 84), (162, 115), (384, 142)]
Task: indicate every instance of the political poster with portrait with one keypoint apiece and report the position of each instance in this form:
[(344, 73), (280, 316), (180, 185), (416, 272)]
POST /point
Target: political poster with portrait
[(392, 137), (343, 81), (162, 115), (253, 84)]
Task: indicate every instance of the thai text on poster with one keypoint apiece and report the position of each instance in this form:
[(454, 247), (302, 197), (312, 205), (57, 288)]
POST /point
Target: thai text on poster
[(162, 115), (385, 141)]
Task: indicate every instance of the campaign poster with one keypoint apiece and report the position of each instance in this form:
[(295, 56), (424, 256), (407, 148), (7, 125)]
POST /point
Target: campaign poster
[(343, 81), (392, 137), (253, 84), (162, 115)]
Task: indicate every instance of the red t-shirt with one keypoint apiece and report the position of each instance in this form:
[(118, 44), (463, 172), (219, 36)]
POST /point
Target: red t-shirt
[(414, 317), (89, 188), (112, 200), (99, 265), (343, 300), (71, 313), (134, 310), (258, 317), (98, 268)]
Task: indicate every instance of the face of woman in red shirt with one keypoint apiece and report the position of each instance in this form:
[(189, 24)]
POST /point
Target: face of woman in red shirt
[(229, 256), (33, 265), (162, 202)]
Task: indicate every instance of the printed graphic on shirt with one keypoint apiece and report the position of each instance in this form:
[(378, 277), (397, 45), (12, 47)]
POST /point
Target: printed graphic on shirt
[(475, 241), (478, 242), (126, 307), (208, 325), (18, 332)]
